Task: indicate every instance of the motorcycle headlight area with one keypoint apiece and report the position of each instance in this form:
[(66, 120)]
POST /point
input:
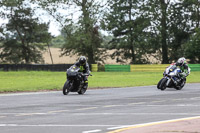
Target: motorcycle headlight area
[(172, 73)]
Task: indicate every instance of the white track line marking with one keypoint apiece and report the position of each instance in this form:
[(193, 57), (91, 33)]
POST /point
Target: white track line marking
[(113, 128), (87, 108), (2, 116), (158, 101), (180, 99), (195, 98), (136, 103), (109, 106), (92, 131), (57, 111), (30, 114)]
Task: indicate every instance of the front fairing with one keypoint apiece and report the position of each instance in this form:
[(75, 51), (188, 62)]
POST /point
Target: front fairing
[(172, 71), (73, 72)]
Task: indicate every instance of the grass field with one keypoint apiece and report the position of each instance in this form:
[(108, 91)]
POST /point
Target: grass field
[(42, 80)]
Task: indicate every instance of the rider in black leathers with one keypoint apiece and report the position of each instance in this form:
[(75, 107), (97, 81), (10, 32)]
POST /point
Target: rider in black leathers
[(84, 67)]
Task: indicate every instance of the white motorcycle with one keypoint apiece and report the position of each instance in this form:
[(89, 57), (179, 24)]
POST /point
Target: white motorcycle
[(171, 79)]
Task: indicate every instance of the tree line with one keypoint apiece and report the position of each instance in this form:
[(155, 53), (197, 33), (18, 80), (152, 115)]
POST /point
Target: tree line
[(136, 30)]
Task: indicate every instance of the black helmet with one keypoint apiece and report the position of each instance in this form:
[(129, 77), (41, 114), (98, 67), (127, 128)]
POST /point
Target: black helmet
[(82, 60)]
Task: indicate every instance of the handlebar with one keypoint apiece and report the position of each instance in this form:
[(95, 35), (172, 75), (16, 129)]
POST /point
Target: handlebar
[(85, 74)]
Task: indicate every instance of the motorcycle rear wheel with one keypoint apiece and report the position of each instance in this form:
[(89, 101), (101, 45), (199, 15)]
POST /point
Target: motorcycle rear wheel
[(181, 86), (83, 90), (66, 88)]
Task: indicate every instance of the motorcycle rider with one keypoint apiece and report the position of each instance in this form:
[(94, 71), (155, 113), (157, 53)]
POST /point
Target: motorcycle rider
[(185, 70), (84, 67)]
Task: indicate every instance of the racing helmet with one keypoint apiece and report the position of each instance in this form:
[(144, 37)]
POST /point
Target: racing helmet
[(181, 61), (82, 60)]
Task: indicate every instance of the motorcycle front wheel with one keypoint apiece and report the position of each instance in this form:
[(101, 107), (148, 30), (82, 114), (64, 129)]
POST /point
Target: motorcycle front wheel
[(163, 84), (66, 88), (158, 85)]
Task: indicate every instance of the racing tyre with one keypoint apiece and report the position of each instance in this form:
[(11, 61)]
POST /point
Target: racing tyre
[(163, 84), (83, 90), (158, 85), (66, 88), (181, 86)]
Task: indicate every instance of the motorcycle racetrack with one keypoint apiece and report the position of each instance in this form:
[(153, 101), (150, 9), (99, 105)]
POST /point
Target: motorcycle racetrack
[(97, 111)]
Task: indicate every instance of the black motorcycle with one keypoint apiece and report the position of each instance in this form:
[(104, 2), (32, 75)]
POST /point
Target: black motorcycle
[(171, 79), (75, 82)]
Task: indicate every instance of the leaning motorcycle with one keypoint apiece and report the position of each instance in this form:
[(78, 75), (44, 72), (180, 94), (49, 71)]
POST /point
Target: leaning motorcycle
[(171, 79), (75, 82)]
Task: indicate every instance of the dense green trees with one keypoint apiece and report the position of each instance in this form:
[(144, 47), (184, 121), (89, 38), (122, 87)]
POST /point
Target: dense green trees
[(127, 25), (138, 29), (23, 37), (192, 44), (192, 47), (175, 23), (158, 12), (82, 36)]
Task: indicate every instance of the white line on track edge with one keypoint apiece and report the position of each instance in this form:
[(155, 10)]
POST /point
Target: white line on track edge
[(92, 131)]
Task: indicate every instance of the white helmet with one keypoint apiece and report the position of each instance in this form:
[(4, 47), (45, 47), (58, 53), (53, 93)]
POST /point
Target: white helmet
[(181, 61)]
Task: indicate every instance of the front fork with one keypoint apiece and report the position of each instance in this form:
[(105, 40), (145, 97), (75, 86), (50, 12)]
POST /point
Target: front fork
[(70, 85), (168, 81)]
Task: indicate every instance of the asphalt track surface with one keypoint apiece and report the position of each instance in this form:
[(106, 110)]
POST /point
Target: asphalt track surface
[(97, 111)]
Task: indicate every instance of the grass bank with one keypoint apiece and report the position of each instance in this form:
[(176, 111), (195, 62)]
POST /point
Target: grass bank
[(42, 80)]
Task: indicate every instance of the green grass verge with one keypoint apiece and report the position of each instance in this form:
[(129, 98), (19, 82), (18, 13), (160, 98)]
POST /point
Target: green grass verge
[(42, 80)]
